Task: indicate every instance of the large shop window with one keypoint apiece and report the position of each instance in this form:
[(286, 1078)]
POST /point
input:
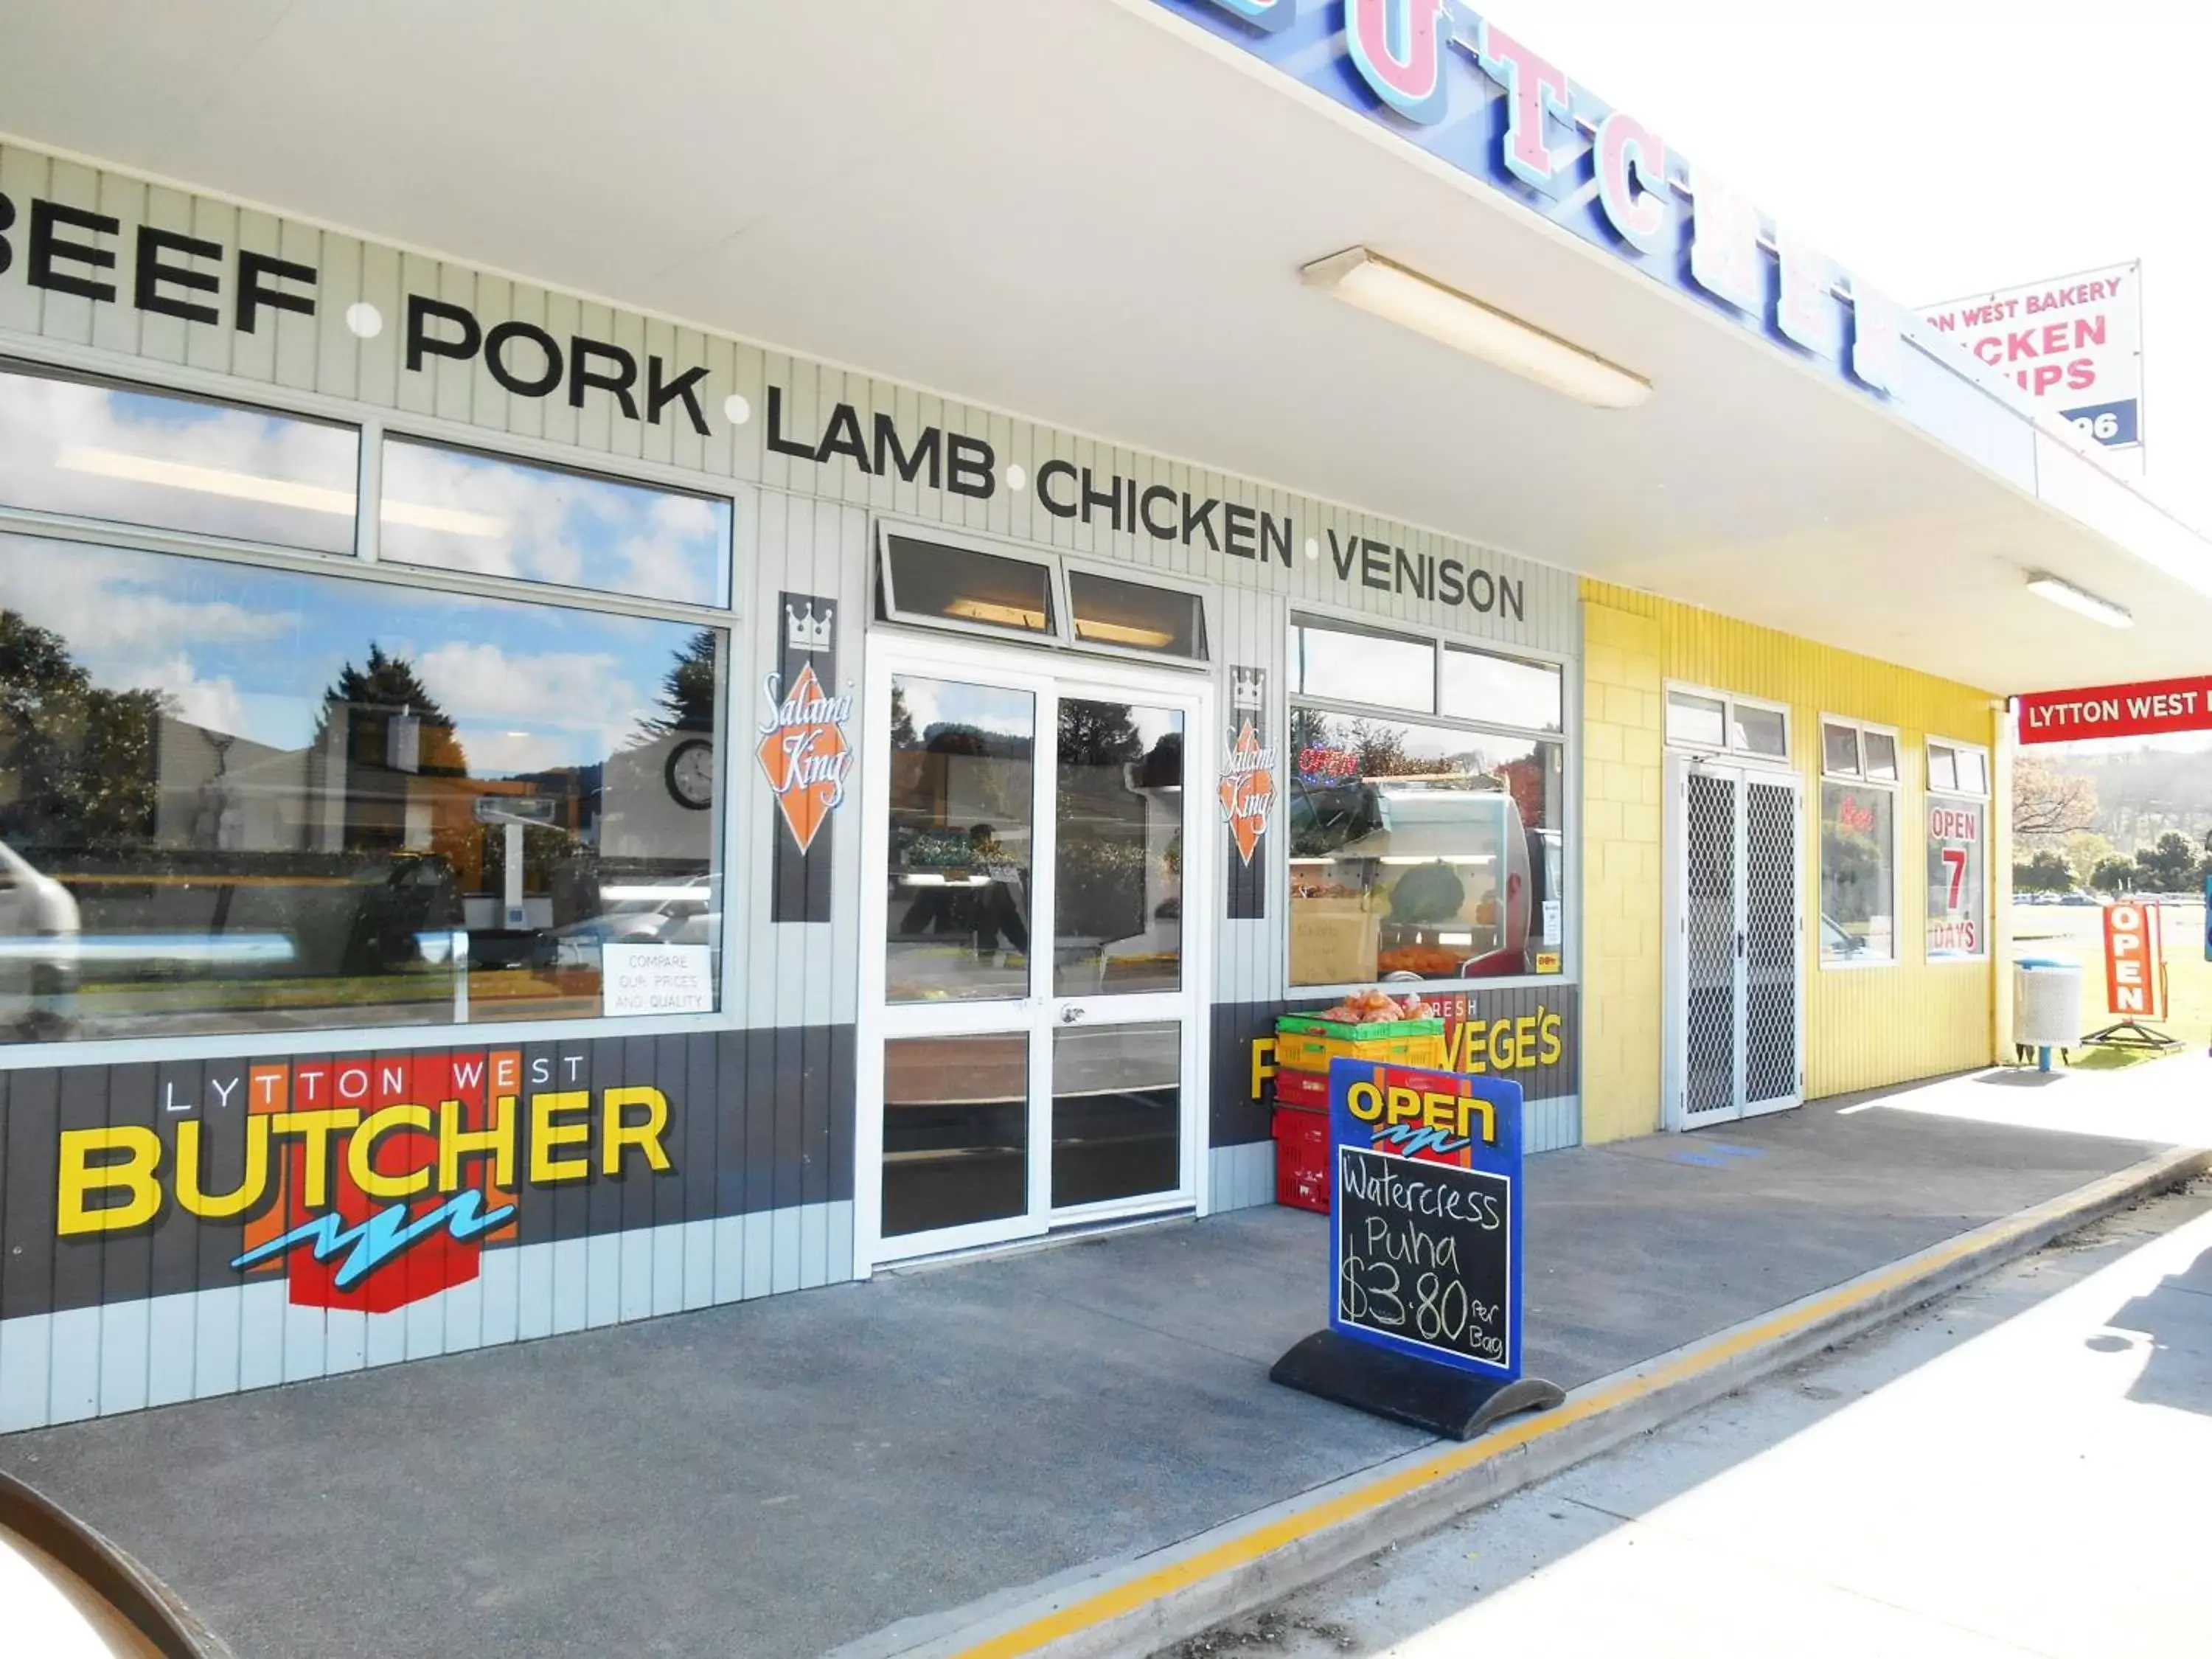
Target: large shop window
[(1957, 839), (234, 798), (1421, 850), (240, 791), (1859, 845)]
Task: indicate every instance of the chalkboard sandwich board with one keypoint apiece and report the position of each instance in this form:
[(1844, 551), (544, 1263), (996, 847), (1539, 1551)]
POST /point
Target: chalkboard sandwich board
[(1424, 1252)]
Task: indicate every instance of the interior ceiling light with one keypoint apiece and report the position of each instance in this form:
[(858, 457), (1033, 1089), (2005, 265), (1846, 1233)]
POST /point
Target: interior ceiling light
[(1110, 633), (2044, 586), (1390, 291), (990, 611), (272, 492)]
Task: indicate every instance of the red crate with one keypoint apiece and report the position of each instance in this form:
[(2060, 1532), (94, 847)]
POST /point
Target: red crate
[(1302, 1159), (1307, 1088)]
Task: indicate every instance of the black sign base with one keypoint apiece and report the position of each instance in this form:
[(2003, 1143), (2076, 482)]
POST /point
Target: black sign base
[(1450, 1403)]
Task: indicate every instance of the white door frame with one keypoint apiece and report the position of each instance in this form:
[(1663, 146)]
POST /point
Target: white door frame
[(1047, 676), (1675, 958)]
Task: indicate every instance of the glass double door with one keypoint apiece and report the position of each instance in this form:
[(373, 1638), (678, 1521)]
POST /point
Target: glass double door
[(1031, 1013)]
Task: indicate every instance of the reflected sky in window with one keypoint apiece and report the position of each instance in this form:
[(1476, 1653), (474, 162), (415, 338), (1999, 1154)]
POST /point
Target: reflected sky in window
[(250, 652), (457, 510), (145, 458)]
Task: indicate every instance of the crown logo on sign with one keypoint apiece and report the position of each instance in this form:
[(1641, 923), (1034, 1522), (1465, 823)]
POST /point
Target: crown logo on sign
[(809, 632), (1245, 688)]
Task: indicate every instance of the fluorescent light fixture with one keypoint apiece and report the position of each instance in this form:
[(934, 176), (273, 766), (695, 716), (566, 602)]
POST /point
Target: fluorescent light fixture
[(989, 611), (1110, 633), (2046, 587), (271, 492), (1396, 294)]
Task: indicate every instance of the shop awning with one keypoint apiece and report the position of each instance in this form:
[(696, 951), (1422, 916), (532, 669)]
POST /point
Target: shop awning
[(1096, 213)]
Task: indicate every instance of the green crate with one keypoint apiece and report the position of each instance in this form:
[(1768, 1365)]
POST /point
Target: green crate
[(1289, 1024)]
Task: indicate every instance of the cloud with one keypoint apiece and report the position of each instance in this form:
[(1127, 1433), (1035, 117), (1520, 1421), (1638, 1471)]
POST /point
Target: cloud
[(115, 609), (520, 713), (61, 441), (556, 526)]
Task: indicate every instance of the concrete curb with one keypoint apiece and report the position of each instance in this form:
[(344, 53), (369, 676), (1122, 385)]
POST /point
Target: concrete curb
[(1155, 1600), (148, 1604)]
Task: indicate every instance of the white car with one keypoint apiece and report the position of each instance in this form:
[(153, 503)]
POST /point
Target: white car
[(39, 947)]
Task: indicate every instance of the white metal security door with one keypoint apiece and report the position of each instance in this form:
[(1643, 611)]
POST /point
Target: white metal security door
[(1734, 974), (1033, 1024)]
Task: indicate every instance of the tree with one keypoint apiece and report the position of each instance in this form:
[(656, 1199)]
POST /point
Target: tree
[(2114, 875), (2086, 849), (371, 696), (1380, 745), (76, 761), (687, 690), (2046, 872), (2169, 868), (2046, 801)]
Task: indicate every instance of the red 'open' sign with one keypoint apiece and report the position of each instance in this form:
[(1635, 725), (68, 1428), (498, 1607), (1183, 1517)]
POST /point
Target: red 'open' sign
[(2134, 986)]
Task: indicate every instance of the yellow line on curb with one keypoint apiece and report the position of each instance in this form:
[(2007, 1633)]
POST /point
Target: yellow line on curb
[(1249, 1546)]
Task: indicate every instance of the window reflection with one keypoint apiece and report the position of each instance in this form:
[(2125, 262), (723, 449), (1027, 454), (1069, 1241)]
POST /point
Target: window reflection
[(1136, 616), (1352, 666), (241, 798), (929, 581), (1117, 878), (962, 816), (1420, 852), (457, 510), (1502, 690), (175, 463)]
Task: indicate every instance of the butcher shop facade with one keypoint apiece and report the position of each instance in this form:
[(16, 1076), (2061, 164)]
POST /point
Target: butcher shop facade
[(520, 815)]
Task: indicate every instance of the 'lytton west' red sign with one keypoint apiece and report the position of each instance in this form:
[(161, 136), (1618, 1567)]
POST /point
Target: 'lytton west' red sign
[(2118, 711)]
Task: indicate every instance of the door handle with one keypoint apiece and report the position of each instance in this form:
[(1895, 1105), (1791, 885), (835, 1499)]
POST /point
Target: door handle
[(1068, 1015)]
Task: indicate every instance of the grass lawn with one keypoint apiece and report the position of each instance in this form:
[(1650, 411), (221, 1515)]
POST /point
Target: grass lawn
[(2078, 931)]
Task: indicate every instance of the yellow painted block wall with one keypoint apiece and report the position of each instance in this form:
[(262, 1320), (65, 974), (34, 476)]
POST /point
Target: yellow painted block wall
[(1865, 1027)]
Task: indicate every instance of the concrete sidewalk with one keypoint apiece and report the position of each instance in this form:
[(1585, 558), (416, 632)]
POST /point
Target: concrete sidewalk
[(789, 1476)]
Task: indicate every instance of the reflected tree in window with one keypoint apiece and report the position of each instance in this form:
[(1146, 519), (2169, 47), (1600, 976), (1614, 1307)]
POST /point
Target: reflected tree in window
[(687, 690), (77, 764)]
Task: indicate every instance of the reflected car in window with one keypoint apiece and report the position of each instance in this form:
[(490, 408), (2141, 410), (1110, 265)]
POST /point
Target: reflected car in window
[(39, 949)]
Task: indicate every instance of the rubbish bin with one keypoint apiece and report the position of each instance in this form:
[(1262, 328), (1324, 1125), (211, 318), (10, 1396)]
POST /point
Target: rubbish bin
[(2046, 1005)]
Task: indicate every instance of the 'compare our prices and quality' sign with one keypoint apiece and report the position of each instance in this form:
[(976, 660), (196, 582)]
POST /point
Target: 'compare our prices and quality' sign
[(2074, 344)]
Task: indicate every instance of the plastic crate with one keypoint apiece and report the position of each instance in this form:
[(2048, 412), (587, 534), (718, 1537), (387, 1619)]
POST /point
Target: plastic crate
[(1376, 1028), (1308, 1090), (1302, 1159), (1416, 1042)]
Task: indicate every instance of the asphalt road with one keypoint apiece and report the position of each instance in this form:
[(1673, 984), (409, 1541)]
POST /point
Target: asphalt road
[(2020, 1469)]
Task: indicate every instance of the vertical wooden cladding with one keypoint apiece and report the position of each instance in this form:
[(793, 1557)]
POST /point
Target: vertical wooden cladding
[(1865, 1027), (755, 1199)]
